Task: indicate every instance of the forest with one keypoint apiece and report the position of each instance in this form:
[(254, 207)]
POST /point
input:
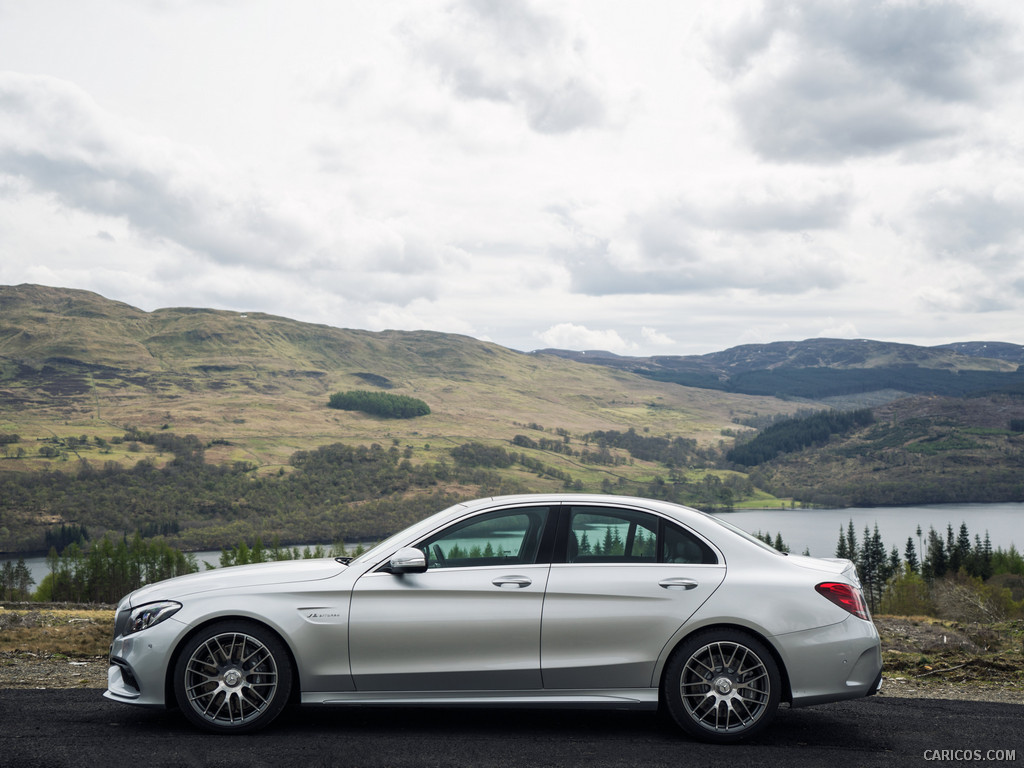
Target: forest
[(382, 404), (331, 493), (794, 434), (816, 383)]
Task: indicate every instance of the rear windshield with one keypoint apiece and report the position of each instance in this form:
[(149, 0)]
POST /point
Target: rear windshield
[(744, 534)]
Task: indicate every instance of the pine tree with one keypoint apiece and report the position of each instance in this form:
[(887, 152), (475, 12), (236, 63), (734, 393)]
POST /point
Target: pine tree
[(852, 550), (910, 555), (842, 551), (935, 563)]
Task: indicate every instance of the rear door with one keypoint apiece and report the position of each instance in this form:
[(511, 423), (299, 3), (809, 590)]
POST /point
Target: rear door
[(627, 581)]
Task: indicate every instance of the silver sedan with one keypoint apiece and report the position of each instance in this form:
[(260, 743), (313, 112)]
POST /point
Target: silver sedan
[(537, 600)]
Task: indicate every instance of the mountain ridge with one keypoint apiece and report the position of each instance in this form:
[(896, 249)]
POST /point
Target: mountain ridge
[(826, 352), (825, 368)]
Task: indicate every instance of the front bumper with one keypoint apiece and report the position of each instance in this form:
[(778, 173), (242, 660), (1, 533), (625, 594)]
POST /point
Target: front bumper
[(139, 664)]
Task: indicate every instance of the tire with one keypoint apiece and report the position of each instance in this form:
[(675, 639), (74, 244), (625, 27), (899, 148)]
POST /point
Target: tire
[(721, 686), (233, 677)]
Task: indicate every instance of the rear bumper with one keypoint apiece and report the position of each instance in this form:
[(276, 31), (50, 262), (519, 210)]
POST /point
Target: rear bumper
[(833, 663)]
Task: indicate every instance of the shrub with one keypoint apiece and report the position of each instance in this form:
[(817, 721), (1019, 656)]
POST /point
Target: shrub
[(969, 599), (907, 594)]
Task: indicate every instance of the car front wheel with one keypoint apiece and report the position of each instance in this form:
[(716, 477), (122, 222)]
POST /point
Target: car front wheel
[(722, 686), (233, 677)]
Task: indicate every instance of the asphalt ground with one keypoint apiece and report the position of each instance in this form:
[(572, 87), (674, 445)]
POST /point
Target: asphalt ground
[(54, 728)]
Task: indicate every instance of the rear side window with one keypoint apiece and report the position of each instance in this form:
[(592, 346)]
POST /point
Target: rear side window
[(605, 535), (681, 546), (598, 535)]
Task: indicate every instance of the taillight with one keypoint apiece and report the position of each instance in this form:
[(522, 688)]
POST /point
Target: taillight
[(846, 597)]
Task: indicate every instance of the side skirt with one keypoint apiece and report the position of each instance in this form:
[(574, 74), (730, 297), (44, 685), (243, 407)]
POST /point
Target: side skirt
[(618, 698)]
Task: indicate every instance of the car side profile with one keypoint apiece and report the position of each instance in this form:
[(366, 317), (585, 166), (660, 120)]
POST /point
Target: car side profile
[(567, 600)]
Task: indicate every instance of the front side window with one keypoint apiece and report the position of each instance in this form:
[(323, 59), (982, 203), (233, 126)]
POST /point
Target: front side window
[(507, 537), (601, 535)]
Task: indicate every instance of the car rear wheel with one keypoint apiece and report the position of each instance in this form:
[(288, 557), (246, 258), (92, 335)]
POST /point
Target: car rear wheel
[(722, 686), (233, 677)]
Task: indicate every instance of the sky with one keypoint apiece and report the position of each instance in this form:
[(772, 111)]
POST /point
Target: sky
[(658, 177)]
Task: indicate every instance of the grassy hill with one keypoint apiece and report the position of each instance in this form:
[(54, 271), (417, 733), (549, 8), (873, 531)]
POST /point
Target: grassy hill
[(83, 379), (73, 362)]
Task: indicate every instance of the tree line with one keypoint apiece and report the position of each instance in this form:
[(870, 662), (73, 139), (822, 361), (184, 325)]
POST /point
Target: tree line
[(711, 492), (954, 564), (673, 452), (108, 569), (817, 383), (913, 581), (16, 581)]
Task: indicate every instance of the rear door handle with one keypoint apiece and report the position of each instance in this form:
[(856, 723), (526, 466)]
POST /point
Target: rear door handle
[(512, 582), (678, 583)]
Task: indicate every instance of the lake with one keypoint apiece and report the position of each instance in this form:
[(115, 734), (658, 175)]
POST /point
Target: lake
[(817, 530)]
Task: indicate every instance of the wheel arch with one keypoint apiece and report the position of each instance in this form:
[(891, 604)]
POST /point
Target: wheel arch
[(169, 698), (673, 647)]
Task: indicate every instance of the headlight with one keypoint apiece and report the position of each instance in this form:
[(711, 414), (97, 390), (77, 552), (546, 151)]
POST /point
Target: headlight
[(145, 616)]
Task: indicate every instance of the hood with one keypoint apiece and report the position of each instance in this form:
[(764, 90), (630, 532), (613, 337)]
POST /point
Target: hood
[(237, 576)]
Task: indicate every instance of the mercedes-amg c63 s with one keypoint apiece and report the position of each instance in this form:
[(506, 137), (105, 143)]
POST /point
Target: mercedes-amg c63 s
[(537, 600)]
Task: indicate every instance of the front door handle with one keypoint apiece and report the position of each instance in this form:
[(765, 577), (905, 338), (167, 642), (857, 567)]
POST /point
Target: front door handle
[(678, 583), (512, 582)]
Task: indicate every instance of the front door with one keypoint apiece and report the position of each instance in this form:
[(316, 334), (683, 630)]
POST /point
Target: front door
[(471, 622)]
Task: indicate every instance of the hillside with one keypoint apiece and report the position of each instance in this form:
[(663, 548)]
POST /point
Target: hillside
[(73, 361), (922, 450), (102, 392)]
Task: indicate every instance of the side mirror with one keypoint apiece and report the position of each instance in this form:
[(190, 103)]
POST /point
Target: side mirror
[(408, 560)]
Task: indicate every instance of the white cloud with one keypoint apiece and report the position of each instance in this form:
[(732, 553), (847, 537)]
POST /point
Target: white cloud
[(573, 336), (656, 338), (62, 144), (984, 224), (512, 53), (679, 250)]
